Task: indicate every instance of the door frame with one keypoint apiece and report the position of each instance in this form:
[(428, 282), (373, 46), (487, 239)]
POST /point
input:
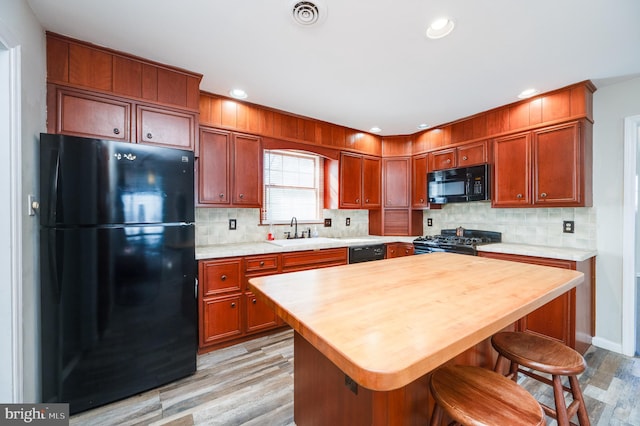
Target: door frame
[(630, 196)]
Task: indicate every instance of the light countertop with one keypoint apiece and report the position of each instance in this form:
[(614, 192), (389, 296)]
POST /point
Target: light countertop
[(574, 254), (387, 323)]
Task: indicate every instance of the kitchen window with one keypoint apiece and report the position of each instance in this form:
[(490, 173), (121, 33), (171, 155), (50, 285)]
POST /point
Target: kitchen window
[(292, 186)]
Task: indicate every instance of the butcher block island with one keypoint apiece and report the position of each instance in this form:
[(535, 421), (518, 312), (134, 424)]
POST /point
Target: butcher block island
[(367, 335)]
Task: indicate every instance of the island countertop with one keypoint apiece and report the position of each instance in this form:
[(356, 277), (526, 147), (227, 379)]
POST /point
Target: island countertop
[(389, 322)]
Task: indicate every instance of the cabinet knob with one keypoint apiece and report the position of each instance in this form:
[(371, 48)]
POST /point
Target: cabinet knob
[(422, 200), (366, 200), (254, 301), (233, 304), (262, 263), (465, 158), (149, 136), (448, 160), (241, 196), (223, 278), (393, 252), (519, 196), (357, 200), (116, 131), (221, 195), (543, 195)]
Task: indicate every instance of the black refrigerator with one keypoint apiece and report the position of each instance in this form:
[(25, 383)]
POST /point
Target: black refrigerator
[(118, 270)]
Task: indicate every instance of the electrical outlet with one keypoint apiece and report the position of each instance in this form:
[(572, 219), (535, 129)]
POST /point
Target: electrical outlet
[(348, 221), (327, 223), (429, 222), (568, 226), (232, 224)]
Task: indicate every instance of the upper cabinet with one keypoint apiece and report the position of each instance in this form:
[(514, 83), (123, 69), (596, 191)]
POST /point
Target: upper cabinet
[(396, 180), (101, 93), (460, 156), (230, 169), (359, 181), (546, 167)]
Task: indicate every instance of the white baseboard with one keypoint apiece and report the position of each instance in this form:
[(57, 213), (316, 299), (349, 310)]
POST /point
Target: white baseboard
[(607, 344)]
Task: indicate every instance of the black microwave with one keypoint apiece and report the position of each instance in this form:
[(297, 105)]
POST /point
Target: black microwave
[(459, 185)]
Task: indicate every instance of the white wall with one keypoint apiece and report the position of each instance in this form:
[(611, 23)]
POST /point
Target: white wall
[(611, 105), (26, 33)]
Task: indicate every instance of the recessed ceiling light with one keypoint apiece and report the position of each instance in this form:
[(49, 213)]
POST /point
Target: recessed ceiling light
[(423, 126), (375, 129), (238, 93), (528, 93), (439, 28)]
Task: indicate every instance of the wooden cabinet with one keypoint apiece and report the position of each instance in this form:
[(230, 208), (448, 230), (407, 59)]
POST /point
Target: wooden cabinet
[(359, 181), (399, 250), (259, 316), (83, 114), (163, 127), (461, 156), (230, 169), (312, 259), (396, 180), (569, 318), (548, 167), (220, 300), (419, 169)]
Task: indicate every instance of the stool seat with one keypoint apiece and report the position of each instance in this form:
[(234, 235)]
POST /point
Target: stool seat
[(541, 354), (544, 355), (477, 396)]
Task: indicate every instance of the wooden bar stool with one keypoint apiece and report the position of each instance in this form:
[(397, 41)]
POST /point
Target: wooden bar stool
[(548, 356), (477, 396)]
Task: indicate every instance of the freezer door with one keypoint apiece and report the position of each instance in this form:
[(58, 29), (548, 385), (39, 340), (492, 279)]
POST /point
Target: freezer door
[(87, 182), (118, 311)]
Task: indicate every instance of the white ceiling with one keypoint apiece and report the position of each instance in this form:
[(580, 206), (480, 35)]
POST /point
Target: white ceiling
[(369, 63)]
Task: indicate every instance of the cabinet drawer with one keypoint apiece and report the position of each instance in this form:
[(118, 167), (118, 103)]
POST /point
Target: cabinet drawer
[(220, 276), (301, 260), (443, 159), (260, 264), (472, 154)]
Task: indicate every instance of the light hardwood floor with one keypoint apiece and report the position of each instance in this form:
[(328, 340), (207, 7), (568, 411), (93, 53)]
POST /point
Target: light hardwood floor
[(252, 384)]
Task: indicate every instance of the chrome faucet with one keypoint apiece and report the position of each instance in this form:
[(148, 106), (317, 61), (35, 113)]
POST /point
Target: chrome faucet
[(295, 231)]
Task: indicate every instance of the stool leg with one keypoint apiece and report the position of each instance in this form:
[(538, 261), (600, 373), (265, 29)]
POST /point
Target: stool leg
[(436, 416), (583, 417), (561, 406)]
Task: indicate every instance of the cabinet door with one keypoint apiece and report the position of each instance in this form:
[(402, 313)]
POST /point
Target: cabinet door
[(220, 276), (350, 181), (443, 159), (557, 166), (472, 154), (396, 181), (419, 181), (247, 171), (220, 319), (259, 315), (511, 177), (213, 167), (157, 126), (370, 182), (82, 114)]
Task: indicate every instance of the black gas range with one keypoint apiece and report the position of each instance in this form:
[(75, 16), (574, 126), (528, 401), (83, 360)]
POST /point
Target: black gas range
[(459, 240)]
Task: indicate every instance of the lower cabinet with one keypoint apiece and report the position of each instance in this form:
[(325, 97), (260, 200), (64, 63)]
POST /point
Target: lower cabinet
[(399, 250), (228, 312), (569, 318)]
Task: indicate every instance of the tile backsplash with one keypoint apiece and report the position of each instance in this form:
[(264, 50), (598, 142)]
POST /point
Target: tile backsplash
[(541, 226), (212, 225)]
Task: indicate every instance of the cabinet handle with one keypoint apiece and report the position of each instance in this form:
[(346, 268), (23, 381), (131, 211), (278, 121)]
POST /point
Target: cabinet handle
[(223, 278), (543, 195), (233, 304), (116, 131), (253, 301), (519, 196), (221, 195), (366, 201), (448, 160), (465, 158), (262, 263), (241, 196), (422, 200), (149, 136), (357, 200)]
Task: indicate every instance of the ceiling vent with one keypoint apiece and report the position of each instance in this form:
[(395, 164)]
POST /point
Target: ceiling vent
[(307, 13)]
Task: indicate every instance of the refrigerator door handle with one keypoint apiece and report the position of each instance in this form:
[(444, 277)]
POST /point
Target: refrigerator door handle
[(53, 188), (196, 289), (56, 254)]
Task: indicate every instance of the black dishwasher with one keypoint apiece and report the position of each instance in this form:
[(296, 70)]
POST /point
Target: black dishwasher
[(366, 253)]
